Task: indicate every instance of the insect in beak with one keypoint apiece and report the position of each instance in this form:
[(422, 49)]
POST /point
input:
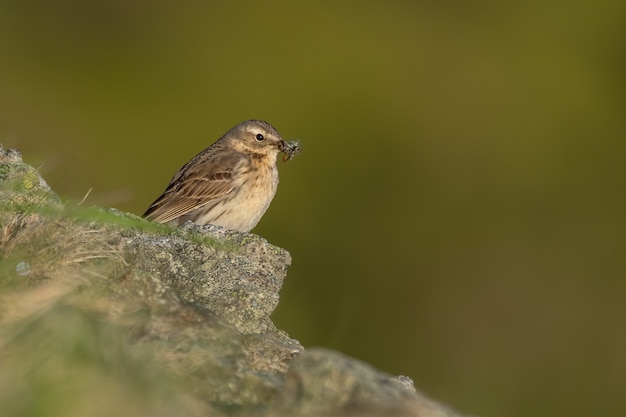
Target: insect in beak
[(290, 149)]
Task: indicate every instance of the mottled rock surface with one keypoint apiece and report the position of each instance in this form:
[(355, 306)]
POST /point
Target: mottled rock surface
[(103, 313)]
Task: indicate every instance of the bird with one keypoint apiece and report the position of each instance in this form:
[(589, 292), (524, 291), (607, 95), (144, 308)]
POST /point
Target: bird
[(229, 184)]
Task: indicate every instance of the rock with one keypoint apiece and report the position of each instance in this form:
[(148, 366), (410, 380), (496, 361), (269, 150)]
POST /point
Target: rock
[(104, 313)]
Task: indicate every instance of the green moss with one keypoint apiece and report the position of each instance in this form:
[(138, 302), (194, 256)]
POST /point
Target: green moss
[(5, 169), (71, 361), (112, 217)]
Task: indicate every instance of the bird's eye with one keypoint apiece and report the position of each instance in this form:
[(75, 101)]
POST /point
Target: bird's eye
[(260, 137)]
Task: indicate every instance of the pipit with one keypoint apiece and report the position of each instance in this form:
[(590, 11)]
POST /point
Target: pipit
[(230, 184)]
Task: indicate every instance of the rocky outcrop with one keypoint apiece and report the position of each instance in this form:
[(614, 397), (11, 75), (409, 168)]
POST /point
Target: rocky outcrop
[(104, 313)]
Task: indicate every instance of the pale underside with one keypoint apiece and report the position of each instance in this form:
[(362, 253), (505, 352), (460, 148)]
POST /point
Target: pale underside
[(236, 197)]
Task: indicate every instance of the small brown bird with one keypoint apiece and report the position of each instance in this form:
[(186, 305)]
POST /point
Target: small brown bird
[(230, 184)]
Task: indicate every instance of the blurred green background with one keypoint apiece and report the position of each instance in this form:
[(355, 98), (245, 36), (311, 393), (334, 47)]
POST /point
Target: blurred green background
[(458, 212)]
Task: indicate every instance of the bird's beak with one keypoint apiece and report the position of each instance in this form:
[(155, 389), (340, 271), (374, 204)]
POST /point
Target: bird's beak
[(281, 145)]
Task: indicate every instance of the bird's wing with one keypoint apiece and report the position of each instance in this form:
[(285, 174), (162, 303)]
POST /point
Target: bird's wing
[(194, 186)]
